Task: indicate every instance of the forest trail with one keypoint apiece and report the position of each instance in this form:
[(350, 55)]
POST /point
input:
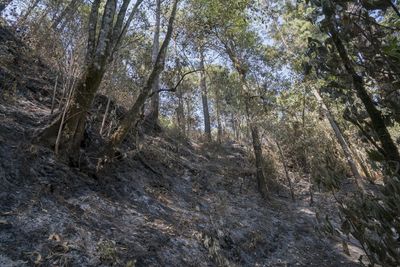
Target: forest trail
[(190, 204)]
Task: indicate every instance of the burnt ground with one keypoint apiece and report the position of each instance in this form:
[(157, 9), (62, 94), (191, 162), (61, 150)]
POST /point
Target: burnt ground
[(174, 203)]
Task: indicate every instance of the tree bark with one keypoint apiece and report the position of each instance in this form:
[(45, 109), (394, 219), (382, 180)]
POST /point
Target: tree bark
[(254, 132), (286, 170), (180, 112), (189, 119), (219, 123), (153, 115), (4, 4), (27, 13), (261, 181), (105, 116), (391, 152), (345, 147), (204, 97), (100, 49), (132, 117), (68, 11)]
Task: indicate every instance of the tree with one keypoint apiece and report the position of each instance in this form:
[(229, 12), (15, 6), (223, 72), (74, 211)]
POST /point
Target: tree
[(4, 4), (103, 42), (133, 115), (69, 10), (154, 111), (343, 143), (330, 24), (204, 95)]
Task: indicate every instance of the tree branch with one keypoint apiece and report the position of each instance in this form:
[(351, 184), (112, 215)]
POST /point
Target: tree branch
[(176, 86)]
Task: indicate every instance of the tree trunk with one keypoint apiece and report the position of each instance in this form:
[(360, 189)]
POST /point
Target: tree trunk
[(218, 111), (255, 137), (345, 147), (391, 152), (180, 112), (105, 116), (68, 11), (204, 97), (4, 4), (85, 89), (286, 170), (261, 181), (154, 111), (188, 117), (74, 124), (28, 12), (132, 117), (100, 48)]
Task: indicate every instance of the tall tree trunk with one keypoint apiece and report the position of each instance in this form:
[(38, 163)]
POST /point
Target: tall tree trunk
[(87, 85), (4, 4), (285, 167), (345, 147), (261, 180), (180, 112), (74, 125), (154, 111), (254, 132), (218, 111), (67, 12), (234, 126), (188, 117), (204, 97), (391, 152), (28, 12), (132, 117)]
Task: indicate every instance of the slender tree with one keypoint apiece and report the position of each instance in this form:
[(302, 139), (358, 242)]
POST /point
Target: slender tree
[(343, 143), (69, 10), (133, 115), (28, 12), (154, 111), (204, 97), (377, 120)]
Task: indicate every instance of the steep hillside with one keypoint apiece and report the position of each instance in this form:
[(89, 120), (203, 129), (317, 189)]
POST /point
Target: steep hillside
[(169, 202)]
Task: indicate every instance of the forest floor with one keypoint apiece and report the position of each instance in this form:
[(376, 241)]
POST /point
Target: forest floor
[(174, 203)]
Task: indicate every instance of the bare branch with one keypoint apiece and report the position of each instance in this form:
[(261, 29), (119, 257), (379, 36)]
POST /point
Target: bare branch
[(176, 86)]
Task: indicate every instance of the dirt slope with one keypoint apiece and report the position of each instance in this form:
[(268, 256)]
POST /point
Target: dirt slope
[(187, 205)]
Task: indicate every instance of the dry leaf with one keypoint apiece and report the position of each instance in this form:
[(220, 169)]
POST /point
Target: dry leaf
[(345, 248), (55, 237), (38, 258)]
